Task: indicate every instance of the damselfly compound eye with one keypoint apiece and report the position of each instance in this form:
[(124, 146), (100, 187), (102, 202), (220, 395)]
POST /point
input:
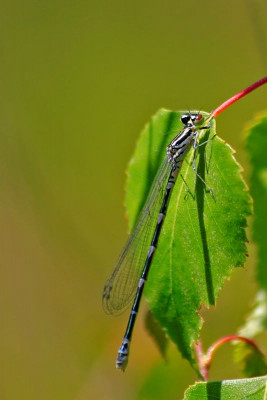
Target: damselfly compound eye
[(185, 118), (198, 119)]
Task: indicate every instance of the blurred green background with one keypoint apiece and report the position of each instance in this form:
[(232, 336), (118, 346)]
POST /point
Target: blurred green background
[(78, 82)]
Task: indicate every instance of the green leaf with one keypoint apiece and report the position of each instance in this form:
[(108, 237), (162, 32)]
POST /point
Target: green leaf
[(256, 145), (252, 361), (238, 389), (203, 238), (156, 332), (256, 322)]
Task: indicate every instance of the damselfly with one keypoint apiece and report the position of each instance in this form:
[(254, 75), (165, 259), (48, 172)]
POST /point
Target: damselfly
[(128, 279)]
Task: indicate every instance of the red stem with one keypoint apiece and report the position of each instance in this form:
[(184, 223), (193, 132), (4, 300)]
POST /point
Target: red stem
[(220, 342), (203, 368), (237, 96), (204, 360)]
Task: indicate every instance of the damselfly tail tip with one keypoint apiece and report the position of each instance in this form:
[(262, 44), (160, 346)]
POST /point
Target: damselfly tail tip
[(120, 367), (123, 353), (121, 364)]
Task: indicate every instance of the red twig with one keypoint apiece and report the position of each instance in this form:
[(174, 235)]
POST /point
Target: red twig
[(201, 357), (238, 96), (204, 360), (220, 342)]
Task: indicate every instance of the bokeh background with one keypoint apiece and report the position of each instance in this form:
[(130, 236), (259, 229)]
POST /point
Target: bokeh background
[(78, 82)]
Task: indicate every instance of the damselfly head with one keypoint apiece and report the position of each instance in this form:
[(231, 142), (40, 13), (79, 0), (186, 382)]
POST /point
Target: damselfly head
[(191, 119)]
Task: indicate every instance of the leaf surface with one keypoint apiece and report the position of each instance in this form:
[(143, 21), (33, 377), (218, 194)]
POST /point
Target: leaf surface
[(251, 360), (256, 145), (254, 363), (157, 333), (238, 389)]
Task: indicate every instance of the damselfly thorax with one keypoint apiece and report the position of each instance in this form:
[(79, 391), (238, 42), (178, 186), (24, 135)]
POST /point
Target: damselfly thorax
[(181, 144)]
